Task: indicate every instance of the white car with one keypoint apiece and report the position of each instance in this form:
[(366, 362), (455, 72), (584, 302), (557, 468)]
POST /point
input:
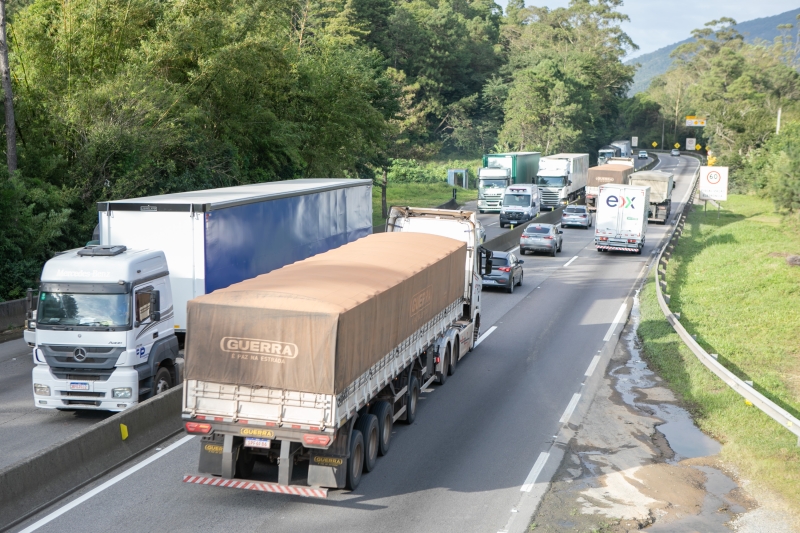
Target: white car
[(642, 154)]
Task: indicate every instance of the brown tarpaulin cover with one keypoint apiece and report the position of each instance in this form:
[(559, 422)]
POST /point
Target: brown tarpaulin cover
[(609, 173), (318, 324)]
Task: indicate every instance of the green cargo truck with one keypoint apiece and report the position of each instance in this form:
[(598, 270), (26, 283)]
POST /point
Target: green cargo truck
[(501, 170)]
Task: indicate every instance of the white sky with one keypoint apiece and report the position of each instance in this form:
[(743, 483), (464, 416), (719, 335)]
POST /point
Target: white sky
[(655, 24)]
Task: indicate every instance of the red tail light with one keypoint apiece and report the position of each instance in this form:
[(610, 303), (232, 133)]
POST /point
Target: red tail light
[(583, 216), (316, 440), (549, 237), (504, 269), (195, 427), (603, 238), (631, 241)]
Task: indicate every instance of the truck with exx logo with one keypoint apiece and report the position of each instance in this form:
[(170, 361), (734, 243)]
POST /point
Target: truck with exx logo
[(621, 222)]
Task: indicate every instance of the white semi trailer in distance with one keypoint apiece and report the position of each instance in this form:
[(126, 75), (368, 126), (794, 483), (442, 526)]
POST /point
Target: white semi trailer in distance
[(562, 178)]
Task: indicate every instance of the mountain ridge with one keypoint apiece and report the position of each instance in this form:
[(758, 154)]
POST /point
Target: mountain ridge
[(658, 62)]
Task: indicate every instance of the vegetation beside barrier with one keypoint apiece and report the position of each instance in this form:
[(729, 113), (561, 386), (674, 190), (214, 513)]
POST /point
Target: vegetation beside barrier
[(729, 280), (417, 195)]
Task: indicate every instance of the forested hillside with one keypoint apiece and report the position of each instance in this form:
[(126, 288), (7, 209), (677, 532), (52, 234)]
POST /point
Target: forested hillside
[(123, 98)]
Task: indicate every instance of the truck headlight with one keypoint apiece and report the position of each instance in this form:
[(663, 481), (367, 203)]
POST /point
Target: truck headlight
[(41, 390), (31, 324), (122, 392)]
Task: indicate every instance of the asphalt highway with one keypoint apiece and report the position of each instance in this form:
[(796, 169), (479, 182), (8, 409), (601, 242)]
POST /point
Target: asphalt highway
[(462, 465)]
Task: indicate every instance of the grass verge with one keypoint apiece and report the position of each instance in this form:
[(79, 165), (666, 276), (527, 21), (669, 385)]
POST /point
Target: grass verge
[(730, 281), (416, 195)]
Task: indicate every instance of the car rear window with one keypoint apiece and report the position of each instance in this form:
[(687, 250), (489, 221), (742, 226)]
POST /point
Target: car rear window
[(537, 230), (575, 210), (499, 261)]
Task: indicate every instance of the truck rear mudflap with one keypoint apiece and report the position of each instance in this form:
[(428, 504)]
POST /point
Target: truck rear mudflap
[(308, 492)]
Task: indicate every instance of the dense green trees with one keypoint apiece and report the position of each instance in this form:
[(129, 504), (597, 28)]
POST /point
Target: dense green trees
[(123, 98), (741, 89)]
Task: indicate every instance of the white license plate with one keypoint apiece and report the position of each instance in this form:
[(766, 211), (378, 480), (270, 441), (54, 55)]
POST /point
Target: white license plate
[(78, 386), (250, 442)]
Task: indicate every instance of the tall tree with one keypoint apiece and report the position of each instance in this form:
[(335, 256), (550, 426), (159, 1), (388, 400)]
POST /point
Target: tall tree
[(8, 94)]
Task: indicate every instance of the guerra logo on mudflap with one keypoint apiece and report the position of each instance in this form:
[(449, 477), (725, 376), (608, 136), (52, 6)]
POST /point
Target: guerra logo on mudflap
[(258, 347), (328, 461)]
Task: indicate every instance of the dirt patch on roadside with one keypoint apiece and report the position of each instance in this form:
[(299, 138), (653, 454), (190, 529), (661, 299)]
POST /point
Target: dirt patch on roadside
[(637, 461)]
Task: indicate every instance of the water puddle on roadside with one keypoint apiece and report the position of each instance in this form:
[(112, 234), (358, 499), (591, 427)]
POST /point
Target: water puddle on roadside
[(632, 381)]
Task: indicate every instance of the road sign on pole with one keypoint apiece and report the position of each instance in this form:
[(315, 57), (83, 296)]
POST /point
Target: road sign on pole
[(654, 144), (695, 122), (677, 145), (713, 183), (690, 143), (634, 142)]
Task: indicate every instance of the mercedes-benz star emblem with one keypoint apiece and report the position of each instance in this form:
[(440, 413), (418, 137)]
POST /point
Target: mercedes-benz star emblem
[(79, 354)]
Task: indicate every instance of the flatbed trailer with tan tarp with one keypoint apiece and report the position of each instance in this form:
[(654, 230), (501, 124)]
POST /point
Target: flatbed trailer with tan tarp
[(314, 362)]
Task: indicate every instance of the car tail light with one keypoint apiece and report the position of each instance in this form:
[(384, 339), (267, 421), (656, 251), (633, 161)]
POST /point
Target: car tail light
[(603, 238), (504, 269), (631, 241), (583, 216), (195, 427), (316, 440), (549, 237)]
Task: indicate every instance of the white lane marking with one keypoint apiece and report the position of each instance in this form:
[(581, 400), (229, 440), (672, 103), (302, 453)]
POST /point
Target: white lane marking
[(614, 324), (592, 366), (113, 481), (535, 471), (570, 261), (512, 250), (570, 408), (492, 224), (483, 337)]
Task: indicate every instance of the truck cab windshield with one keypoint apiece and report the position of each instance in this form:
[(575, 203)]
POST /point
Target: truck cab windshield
[(517, 200), (492, 184), (89, 310), (550, 181)]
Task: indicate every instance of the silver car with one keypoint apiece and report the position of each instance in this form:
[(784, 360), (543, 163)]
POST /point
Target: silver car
[(540, 238), (675, 152), (576, 215)]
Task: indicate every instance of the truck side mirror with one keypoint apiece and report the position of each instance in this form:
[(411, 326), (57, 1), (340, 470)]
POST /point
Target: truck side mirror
[(487, 261), (155, 306), (569, 182)]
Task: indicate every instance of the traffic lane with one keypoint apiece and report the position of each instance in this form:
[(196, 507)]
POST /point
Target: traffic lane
[(639, 163), (24, 428), (458, 468), (14, 349)]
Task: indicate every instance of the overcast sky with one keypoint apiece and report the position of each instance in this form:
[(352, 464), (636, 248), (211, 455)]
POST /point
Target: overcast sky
[(655, 24)]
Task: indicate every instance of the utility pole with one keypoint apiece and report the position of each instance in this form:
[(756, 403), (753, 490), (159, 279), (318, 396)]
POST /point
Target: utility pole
[(662, 133), (778, 128), (8, 95)]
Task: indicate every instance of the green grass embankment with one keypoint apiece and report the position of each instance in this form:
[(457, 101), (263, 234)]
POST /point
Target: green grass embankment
[(416, 195), (730, 281)]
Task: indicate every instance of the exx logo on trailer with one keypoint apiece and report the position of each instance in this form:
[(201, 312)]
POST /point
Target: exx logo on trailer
[(623, 202)]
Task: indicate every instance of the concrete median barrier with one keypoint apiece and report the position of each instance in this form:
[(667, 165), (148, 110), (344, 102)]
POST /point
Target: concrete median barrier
[(510, 239), (32, 484)]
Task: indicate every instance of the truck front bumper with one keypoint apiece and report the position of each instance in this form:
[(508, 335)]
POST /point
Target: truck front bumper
[(50, 392), (492, 206)]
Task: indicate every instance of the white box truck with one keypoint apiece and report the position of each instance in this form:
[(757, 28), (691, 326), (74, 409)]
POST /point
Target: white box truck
[(624, 148), (562, 178), (661, 184), (109, 316), (314, 363), (521, 203), (621, 222)]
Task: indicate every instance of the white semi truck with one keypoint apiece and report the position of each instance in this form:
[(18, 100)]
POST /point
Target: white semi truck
[(315, 362), (500, 171), (624, 147), (562, 178), (109, 316), (621, 223)]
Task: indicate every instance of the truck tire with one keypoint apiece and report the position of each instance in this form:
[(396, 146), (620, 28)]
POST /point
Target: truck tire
[(162, 382), (412, 397), (442, 376), (355, 464), (453, 359), (383, 412), (367, 425)]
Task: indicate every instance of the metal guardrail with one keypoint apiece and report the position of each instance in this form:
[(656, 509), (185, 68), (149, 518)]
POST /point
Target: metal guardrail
[(745, 389)]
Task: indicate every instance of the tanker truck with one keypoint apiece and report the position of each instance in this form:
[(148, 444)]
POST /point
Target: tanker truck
[(313, 363)]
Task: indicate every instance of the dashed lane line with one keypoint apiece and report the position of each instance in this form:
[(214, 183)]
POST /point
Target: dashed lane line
[(613, 325), (570, 261), (570, 408), (592, 366), (535, 471), (483, 337)]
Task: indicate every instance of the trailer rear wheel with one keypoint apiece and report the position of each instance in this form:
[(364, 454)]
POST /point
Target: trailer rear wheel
[(368, 426), (411, 400), (355, 464), (383, 412)]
